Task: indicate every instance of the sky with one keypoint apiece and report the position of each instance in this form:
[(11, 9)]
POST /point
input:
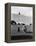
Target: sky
[(27, 11), (26, 14)]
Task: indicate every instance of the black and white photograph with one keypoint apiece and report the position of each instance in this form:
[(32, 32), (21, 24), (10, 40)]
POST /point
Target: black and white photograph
[(22, 21), (19, 22)]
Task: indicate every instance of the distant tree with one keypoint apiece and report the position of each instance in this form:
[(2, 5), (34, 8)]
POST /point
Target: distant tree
[(23, 24), (13, 22), (18, 23), (30, 24)]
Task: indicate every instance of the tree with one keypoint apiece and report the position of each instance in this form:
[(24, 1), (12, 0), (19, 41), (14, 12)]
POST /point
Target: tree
[(13, 22)]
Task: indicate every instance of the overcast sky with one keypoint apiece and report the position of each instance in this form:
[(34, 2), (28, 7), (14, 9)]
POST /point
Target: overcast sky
[(27, 11), (25, 16)]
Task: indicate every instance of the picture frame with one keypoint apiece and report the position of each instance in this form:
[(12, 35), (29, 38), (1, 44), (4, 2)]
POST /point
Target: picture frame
[(19, 38)]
